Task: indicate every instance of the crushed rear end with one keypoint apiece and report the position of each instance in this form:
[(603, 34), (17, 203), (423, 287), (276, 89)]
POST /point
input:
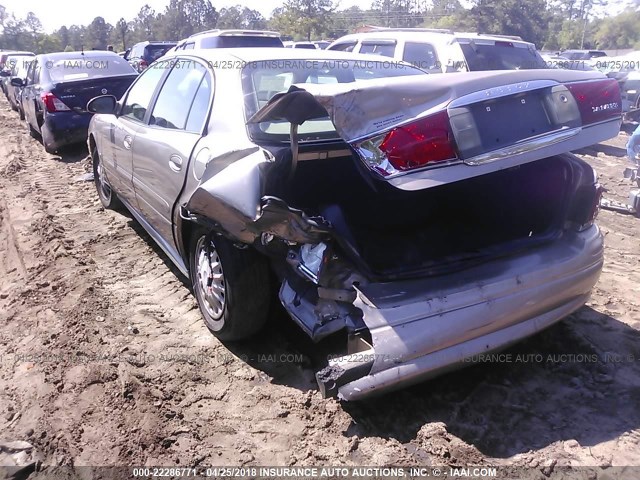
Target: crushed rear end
[(448, 221)]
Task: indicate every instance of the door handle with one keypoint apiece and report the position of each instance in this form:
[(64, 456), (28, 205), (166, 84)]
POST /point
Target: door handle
[(127, 141), (175, 163)]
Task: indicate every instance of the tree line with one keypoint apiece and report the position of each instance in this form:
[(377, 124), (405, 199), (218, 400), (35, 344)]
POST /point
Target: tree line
[(550, 24)]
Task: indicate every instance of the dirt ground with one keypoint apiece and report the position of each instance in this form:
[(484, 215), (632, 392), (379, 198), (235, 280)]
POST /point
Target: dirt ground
[(105, 360)]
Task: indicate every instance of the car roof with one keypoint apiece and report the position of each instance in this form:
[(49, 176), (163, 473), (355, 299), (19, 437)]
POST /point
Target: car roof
[(273, 53), (79, 54), (427, 33), (235, 32)]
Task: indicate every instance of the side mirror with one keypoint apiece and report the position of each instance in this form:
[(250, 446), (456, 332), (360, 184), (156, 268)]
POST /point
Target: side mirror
[(17, 82), (102, 104)]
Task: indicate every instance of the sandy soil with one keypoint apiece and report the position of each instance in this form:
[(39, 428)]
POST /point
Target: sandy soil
[(104, 358)]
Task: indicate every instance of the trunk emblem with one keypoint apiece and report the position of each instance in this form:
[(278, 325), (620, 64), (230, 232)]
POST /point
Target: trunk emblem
[(104, 91)]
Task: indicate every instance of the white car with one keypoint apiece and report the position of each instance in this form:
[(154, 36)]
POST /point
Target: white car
[(443, 51)]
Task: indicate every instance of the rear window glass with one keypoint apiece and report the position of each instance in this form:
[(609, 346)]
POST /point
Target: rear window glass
[(262, 80), (501, 56), (15, 62), (240, 41), (78, 68)]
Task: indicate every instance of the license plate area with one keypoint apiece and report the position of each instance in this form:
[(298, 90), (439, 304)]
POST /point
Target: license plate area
[(498, 123)]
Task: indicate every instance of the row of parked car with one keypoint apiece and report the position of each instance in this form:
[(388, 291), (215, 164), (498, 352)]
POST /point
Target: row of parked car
[(416, 219)]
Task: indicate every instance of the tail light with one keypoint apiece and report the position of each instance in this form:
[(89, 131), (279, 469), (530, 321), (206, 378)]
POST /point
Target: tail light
[(143, 64), (53, 104), (598, 101), (424, 142)]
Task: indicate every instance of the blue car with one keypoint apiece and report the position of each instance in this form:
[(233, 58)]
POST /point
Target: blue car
[(58, 87)]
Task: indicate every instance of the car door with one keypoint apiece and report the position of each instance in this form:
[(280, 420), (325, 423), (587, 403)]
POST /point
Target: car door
[(29, 101), (162, 148), (118, 159)]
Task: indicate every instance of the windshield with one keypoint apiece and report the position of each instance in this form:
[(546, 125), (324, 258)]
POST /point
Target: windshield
[(66, 69), (500, 56), (262, 80)]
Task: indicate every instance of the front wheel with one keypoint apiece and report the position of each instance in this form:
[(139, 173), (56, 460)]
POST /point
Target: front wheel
[(231, 286)]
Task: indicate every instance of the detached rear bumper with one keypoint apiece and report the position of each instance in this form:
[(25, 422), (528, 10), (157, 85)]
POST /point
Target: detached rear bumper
[(422, 328)]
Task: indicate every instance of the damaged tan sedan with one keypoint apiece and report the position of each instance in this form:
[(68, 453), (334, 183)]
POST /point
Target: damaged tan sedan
[(424, 219)]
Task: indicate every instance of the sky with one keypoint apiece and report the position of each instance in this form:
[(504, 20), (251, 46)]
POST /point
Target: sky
[(70, 12)]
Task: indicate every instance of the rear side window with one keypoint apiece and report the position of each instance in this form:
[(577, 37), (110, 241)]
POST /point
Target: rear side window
[(153, 52), (501, 56), (385, 49), (139, 97), (200, 106), (421, 55), (177, 95)]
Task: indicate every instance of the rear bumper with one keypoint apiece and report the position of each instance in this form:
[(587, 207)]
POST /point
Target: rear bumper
[(65, 128), (422, 328)]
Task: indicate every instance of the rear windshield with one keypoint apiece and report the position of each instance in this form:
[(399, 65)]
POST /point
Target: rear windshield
[(8, 61), (240, 41), (500, 56), (153, 52), (68, 69), (262, 80), (15, 62)]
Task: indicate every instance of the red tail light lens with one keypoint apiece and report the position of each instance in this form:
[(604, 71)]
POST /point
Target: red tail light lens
[(597, 100), (53, 104), (143, 64), (419, 144)]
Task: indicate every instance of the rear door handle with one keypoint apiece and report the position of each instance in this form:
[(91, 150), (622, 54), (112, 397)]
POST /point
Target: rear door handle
[(175, 163), (127, 141)]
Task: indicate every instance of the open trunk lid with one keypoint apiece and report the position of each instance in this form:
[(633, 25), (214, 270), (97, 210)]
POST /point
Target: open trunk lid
[(422, 131)]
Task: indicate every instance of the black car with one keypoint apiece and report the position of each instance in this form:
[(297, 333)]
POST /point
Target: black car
[(144, 53), (58, 87)]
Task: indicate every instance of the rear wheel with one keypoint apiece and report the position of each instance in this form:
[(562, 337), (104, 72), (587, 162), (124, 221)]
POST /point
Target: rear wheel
[(107, 196), (231, 286)]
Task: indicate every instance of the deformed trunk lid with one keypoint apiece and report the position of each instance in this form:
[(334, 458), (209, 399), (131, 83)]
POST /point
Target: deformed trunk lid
[(362, 110)]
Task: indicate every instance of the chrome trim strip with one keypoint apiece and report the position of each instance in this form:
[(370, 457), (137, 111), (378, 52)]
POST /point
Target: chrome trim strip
[(529, 144), (502, 91)]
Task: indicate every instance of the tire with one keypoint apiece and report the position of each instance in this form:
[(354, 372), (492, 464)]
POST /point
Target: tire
[(46, 142), (32, 131), (231, 286), (107, 196)]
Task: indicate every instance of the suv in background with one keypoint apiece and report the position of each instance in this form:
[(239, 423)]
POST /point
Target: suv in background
[(231, 39), (443, 51), (144, 53)]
